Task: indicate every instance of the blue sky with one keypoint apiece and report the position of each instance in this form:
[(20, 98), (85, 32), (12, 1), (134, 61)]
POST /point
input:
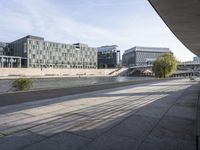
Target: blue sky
[(126, 23)]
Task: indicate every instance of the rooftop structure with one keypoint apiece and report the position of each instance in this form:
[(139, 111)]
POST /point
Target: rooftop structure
[(147, 49), (107, 48)]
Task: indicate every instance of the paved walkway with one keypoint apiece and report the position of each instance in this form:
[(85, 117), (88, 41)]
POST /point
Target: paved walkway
[(138, 117)]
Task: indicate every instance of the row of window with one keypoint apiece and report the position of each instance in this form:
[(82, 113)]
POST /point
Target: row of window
[(61, 62), (87, 55), (35, 47), (50, 57), (57, 45), (59, 66)]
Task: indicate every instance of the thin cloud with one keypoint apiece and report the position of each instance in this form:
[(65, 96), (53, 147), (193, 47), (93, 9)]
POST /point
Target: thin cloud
[(134, 24)]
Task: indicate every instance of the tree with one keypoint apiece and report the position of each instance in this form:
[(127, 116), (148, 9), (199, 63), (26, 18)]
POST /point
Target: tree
[(164, 65)]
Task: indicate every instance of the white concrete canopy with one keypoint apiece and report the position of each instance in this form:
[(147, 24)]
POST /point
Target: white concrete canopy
[(183, 19)]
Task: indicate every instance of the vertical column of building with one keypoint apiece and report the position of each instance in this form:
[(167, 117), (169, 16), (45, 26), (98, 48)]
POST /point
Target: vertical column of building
[(118, 58), (6, 62), (20, 62), (11, 62), (1, 61)]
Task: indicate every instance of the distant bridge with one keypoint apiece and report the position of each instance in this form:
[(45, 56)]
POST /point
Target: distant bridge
[(140, 67), (185, 73), (185, 65), (183, 69)]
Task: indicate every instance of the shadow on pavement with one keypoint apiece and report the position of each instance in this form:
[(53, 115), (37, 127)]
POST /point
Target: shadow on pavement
[(157, 120)]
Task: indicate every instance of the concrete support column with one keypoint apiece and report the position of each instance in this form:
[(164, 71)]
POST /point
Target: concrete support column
[(1, 62), (11, 62), (7, 63), (20, 63)]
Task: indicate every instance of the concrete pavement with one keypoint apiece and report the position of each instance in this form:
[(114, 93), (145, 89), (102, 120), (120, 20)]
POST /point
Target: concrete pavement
[(144, 116)]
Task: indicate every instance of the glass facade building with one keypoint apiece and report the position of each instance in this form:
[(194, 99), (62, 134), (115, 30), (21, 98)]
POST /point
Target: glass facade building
[(38, 53), (140, 56), (196, 59), (6, 60), (3, 47), (108, 57)]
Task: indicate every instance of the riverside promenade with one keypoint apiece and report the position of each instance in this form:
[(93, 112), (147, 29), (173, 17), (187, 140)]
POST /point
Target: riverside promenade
[(146, 116)]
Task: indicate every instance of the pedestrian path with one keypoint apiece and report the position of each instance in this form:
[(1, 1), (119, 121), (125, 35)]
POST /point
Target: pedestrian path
[(144, 116)]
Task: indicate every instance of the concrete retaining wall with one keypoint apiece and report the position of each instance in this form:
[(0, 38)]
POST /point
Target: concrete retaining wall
[(49, 72)]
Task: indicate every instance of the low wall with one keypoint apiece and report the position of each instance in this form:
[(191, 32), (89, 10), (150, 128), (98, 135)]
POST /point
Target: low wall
[(46, 72)]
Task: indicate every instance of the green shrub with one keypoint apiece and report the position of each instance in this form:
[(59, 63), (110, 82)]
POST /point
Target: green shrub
[(22, 84)]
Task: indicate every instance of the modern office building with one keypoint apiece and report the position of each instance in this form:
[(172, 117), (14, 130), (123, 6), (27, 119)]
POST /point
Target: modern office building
[(35, 52), (196, 59), (108, 56), (139, 56), (5, 59), (3, 47)]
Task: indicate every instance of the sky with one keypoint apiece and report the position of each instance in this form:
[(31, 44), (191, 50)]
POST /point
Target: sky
[(126, 23)]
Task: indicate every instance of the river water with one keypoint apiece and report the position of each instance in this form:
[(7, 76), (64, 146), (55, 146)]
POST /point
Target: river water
[(49, 83)]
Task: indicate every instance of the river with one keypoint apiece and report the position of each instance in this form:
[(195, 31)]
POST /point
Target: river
[(49, 83)]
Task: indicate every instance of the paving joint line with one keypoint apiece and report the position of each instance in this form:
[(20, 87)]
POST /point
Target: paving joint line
[(116, 124), (27, 129), (160, 120), (75, 110)]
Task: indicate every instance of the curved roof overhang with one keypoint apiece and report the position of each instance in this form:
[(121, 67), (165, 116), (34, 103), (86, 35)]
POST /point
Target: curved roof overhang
[(183, 19)]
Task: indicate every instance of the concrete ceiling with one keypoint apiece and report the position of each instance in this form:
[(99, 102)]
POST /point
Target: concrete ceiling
[(183, 18)]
